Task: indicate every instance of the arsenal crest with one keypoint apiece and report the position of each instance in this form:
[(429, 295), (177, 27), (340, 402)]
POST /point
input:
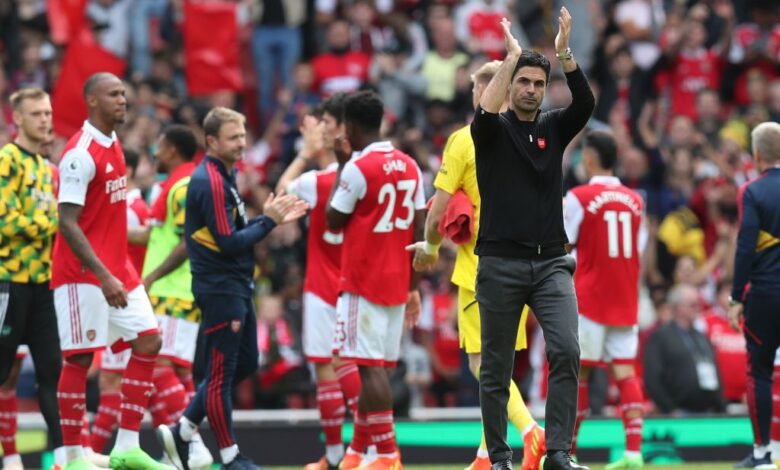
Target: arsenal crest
[(235, 325), (541, 142), (91, 335)]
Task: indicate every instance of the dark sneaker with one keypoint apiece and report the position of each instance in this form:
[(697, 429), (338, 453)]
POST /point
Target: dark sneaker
[(764, 463), (174, 446)]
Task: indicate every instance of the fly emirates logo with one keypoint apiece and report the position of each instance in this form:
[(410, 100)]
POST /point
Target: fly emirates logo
[(117, 188)]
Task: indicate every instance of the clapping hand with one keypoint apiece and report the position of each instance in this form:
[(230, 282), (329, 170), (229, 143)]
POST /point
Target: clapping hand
[(284, 208), (512, 46), (564, 30)]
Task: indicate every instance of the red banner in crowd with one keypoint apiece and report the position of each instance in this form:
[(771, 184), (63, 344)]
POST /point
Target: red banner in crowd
[(83, 57), (66, 19), (211, 47)]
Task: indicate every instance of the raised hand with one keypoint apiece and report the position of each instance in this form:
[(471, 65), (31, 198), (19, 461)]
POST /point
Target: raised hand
[(342, 149), (512, 46), (564, 30), (313, 133)]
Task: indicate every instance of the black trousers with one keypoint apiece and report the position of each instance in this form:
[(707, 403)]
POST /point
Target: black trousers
[(230, 330), (762, 335), (27, 316), (504, 286)]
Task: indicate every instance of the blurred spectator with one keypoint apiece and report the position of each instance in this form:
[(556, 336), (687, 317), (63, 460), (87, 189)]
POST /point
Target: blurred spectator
[(641, 21), (478, 28), (756, 46), (692, 66), (679, 362), (729, 345), (142, 13), (109, 21), (441, 64), (339, 68), (276, 45), (401, 88), (279, 361)]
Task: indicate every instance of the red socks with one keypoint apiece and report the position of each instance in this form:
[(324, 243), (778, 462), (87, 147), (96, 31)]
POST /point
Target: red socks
[(8, 410), (137, 389), (106, 420), (582, 412), (330, 401), (380, 424), (169, 390), (631, 404), (774, 430), (189, 386), (361, 435), (349, 379), (72, 401)]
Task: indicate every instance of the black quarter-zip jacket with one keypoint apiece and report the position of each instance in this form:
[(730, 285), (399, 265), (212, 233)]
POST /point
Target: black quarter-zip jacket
[(520, 176)]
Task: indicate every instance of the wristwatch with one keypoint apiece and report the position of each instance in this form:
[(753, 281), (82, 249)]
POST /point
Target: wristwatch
[(565, 55), (733, 301)]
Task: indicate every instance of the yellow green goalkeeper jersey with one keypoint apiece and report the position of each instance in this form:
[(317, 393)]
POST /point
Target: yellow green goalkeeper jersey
[(28, 215)]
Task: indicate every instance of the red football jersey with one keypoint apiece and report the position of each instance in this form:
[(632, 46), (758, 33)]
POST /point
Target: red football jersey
[(603, 220), (323, 250), (92, 174), (137, 215), (730, 355), (381, 188), (340, 73), (691, 73)]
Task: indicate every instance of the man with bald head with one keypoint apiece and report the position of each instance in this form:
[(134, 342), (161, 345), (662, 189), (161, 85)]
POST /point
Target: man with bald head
[(98, 295), (757, 264)]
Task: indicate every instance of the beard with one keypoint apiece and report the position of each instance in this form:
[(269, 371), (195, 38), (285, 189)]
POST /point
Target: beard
[(526, 106)]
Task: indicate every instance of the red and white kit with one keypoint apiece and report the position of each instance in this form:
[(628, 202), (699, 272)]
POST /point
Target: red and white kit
[(604, 220), (323, 257), (381, 188), (93, 175)]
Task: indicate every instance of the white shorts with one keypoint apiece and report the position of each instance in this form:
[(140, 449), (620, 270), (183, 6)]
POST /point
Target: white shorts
[(320, 341), (87, 323), (600, 344), (777, 357), (372, 333), (179, 339), (115, 362)]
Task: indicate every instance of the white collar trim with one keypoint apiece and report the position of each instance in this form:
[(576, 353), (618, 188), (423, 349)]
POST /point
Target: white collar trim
[(382, 146), (98, 136), (602, 179)]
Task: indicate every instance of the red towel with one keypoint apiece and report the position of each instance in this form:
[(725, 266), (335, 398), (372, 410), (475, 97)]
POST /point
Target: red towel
[(458, 221)]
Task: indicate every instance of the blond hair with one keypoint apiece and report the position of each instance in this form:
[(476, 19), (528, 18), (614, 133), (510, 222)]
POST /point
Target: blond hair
[(766, 139), (219, 116), (486, 72), (18, 97)]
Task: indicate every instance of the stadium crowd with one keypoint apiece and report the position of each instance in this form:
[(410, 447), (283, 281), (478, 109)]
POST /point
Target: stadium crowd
[(679, 83)]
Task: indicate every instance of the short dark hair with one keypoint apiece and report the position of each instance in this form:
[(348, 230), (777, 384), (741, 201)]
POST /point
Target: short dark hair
[(603, 143), (132, 158), (182, 139), (335, 106), (93, 80), (533, 59), (365, 110)]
